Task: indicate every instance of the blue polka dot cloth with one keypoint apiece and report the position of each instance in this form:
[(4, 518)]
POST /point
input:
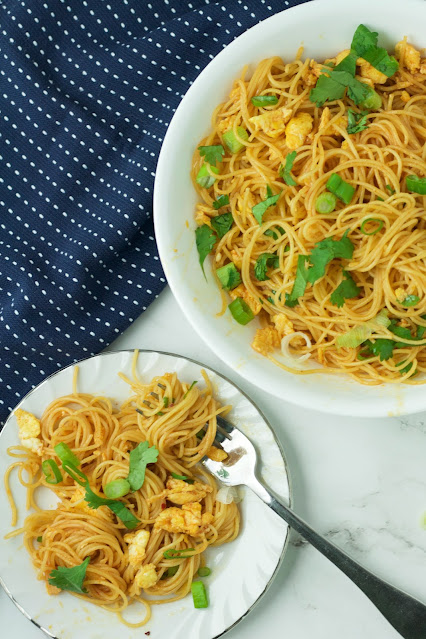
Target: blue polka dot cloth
[(87, 90)]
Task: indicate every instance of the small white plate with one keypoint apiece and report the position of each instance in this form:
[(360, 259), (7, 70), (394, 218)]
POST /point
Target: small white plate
[(241, 570)]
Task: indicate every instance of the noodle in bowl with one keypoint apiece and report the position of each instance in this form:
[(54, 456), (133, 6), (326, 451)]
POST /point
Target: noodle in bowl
[(371, 160)]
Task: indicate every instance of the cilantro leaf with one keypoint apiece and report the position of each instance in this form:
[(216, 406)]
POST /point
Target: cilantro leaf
[(407, 368), (262, 263), (348, 64), (222, 223), (347, 289), (260, 209), (284, 171), (380, 59), (300, 282), (363, 40), (325, 251), (222, 200), (269, 192), (212, 154), (383, 348), (118, 507), (326, 89), (271, 232), (357, 121), (140, 456), (70, 578), (357, 91), (205, 239)]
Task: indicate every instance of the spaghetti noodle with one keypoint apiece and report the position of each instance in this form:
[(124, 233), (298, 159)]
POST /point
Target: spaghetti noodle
[(280, 155), (178, 515)]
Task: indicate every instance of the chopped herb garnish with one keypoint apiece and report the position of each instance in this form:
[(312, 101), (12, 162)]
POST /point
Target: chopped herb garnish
[(117, 488), (70, 578), (212, 154), (222, 224), (172, 553), (271, 232), (188, 480), (347, 289), (199, 595), (264, 100), (300, 282), (166, 402), (204, 571), (262, 263), (364, 44), (66, 455), (390, 189), (190, 388), (229, 276), (205, 239), (382, 348), (52, 474), (284, 171), (260, 209), (357, 121), (341, 189), (40, 539), (368, 221), (327, 250), (140, 457), (416, 184), (231, 141), (407, 368), (410, 300), (325, 203), (222, 200), (241, 311), (204, 178)]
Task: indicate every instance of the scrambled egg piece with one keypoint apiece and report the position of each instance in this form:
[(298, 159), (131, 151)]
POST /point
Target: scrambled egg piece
[(400, 294), (146, 576), (179, 492), (216, 454), (138, 542), (52, 590), (297, 130), (283, 325), (77, 501), (29, 429), (241, 291), (272, 122), (237, 258), (423, 67), (411, 56), (226, 124), (187, 519), (367, 71), (266, 340), (325, 118), (405, 97), (201, 218), (311, 74)]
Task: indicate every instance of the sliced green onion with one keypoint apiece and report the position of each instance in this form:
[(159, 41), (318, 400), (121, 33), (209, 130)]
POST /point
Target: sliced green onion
[(66, 455), (264, 100), (325, 202), (52, 474), (199, 594), (390, 189), (358, 334), (374, 231), (76, 474), (172, 553), (117, 488), (241, 311), (229, 276), (160, 412), (410, 300), (183, 477), (204, 179), (39, 539), (373, 101), (166, 402), (416, 184), (231, 141), (339, 187), (171, 571), (204, 572)]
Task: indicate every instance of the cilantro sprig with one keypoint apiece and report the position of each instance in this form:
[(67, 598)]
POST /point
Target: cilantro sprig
[(285, 170), (140, 457), (212, 154), (70, 578), (347, 289), (205, 239), (262, 263), (357, 121), (260, 209)]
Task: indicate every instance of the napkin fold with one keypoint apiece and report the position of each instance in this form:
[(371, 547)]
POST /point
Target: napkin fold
[(87, 90)]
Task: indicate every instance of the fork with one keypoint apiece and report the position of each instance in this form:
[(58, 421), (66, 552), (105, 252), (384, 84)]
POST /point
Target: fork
[(405, 613)]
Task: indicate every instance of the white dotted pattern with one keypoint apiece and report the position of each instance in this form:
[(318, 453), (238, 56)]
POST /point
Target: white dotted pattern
[(87, 90)]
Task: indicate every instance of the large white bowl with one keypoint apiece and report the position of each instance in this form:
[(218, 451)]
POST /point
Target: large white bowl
[(324, 27)]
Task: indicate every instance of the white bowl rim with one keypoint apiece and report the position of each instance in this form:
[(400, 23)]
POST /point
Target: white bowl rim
[(361, 405)]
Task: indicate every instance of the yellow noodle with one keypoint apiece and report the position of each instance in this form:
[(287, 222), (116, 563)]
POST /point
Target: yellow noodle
[(102, 435), (392, 147)]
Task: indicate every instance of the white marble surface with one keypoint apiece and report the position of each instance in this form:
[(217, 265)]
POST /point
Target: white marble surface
[(360, 482)]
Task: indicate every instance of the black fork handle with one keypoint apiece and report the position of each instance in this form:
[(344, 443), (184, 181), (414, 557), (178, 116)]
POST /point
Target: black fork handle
[(405, 613)]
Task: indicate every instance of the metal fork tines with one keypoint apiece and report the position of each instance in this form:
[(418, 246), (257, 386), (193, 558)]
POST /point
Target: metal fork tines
[(405, 613)]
